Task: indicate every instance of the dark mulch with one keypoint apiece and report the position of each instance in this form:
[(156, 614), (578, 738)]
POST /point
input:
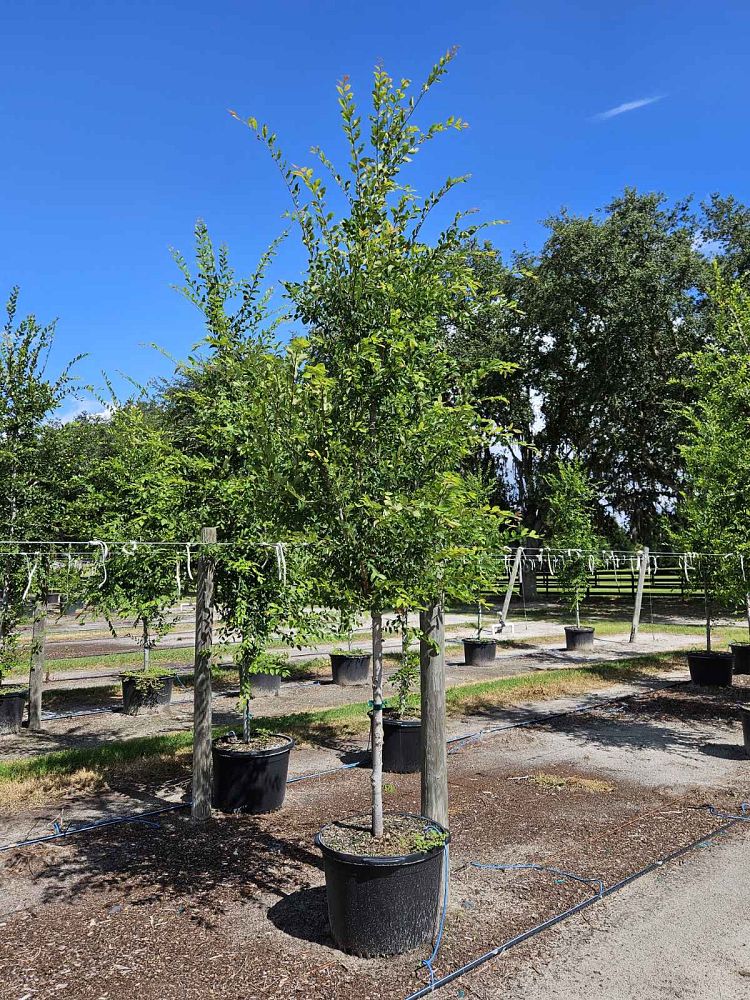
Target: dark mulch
[(237, 908)]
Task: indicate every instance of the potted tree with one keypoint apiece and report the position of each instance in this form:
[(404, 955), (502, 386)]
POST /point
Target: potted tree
[(12, 696), (397, 420), (712, 513), (479, 649), (349, 666), (402, 726), (239, 415), (570, 499)]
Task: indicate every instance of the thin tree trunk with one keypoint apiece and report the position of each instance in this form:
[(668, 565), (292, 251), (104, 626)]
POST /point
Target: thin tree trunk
[(36, 671), (708, 619), (434, 750), (146, 650), (376, 725), (202, 717), (747, 611)]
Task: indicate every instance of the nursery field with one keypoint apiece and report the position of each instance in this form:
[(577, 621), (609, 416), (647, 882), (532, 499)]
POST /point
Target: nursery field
[(598, 786)]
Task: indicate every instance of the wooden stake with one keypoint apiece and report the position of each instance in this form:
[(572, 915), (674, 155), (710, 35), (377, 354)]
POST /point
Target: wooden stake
[(642, 567), (511, 584), (202, 718), (434, 750), (38, 656), (376, 725)]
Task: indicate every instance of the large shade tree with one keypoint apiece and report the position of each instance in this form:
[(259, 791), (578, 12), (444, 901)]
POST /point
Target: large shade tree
[(604, 315)]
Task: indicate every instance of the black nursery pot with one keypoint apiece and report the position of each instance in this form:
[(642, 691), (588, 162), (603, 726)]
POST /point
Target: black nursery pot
[(11, 710), (479, 652), (382, 906), (265, 684), (402, 745), (250, 781), (579, 637), (745, 716), (710, 669), (350, 668), (741, 654), (155, 696)]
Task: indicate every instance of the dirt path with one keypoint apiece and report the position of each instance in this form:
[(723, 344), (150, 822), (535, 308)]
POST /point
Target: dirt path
[(102, 726), (683, 933)]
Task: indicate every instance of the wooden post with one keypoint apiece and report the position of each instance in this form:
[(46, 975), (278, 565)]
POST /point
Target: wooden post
[(202, 719), (38, 655), (642, 567), (432, 682), (376, 725), (511, 583)]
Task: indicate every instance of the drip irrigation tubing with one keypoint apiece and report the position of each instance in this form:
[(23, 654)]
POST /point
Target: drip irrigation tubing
[(475, 963), (459, 740)]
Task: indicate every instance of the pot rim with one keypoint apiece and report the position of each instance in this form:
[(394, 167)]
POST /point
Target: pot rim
[(401, 723), (22, 693), (132, 675), (480, 642), (272, 752), (391, 860), (739, 645), (351, 656), (704, 655), (580, 628)]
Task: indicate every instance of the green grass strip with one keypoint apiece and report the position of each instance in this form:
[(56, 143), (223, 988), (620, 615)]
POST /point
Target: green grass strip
[(329, 722)]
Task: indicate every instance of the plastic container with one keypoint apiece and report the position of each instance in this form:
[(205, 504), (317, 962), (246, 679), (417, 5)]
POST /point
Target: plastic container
[(479, 652), (741, 654), (402, 745), (745, 716), (263, 685), (251, 781), (382, 906), (11, 710), (156, 695), (579, 637), (349, 669), (710, 669)]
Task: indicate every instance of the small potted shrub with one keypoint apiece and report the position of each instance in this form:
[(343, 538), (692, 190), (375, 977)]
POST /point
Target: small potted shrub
[(479, 650), (571, 500), (402, 727), (250, 771), (710, 667), (12, 696), (150, 688), (349, 666), (268, 671)]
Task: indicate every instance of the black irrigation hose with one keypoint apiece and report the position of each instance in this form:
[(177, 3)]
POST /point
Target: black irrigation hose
[(135, 818), (559, 917)]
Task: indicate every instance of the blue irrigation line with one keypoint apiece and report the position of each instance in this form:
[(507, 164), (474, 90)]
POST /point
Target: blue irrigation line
[(571, 911), (143, 817), (70, 830), (529, 867), (427, 962)]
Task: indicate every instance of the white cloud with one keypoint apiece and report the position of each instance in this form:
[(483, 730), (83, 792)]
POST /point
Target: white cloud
[(77, 407), (623, 109)]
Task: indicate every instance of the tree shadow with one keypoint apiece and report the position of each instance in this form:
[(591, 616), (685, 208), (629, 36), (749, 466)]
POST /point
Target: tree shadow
[(201, 867)]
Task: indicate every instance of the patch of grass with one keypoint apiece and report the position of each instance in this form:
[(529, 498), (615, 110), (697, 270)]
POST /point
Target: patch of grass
[(145, 757), (559, 783)]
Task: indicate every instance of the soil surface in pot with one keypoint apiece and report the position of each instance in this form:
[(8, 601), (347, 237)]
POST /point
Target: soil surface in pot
[(257, 742), (401, 835)]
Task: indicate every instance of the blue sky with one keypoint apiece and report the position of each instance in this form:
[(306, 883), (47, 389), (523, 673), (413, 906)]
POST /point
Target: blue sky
[(117, 137)]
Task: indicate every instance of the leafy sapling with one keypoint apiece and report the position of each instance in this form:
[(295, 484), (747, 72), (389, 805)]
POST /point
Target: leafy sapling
[(571, 498)]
